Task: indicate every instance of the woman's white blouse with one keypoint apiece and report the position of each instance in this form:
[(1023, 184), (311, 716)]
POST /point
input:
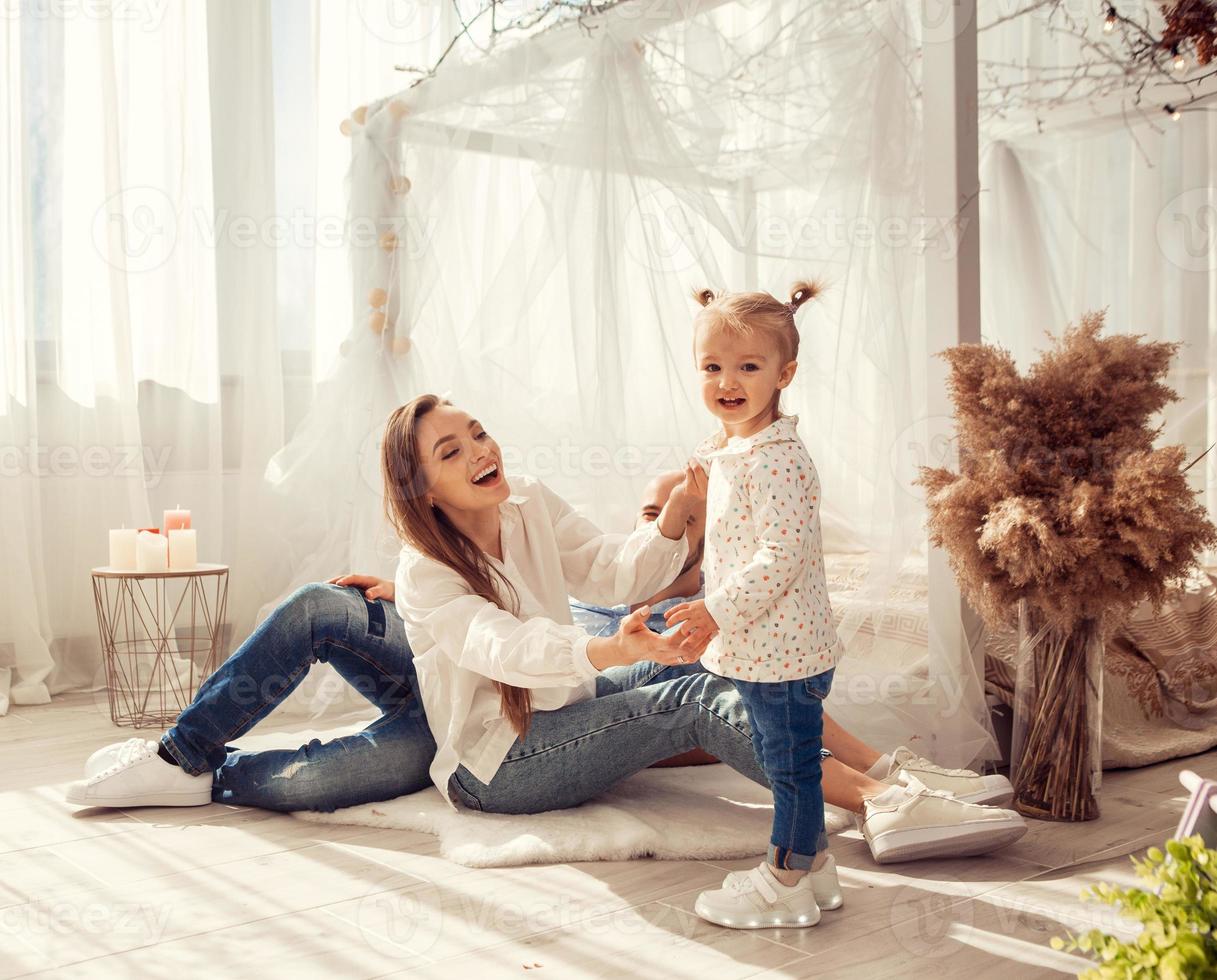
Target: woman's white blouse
[(764, 564), (462, 643)]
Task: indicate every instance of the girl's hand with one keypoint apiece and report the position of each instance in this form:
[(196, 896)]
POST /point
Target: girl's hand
[(693, 489), (373, 588), (697, 626), (686, 498)]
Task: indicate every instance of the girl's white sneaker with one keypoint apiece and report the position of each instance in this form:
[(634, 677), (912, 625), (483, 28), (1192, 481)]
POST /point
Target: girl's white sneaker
[(825, 884), (137, 776), (757, 900)]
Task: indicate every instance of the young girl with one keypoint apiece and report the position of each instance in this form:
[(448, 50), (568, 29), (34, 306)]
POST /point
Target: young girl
[(766, 602)]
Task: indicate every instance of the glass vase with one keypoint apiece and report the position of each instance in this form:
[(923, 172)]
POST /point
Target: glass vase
[(1056, 753)]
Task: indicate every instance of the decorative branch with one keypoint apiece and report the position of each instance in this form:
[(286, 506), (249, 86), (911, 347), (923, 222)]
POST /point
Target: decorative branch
[(1119, 53)]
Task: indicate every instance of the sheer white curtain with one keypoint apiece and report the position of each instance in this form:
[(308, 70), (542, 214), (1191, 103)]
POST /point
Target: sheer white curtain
[(175, 288), (111, 405), (24, 634), (112, 291)]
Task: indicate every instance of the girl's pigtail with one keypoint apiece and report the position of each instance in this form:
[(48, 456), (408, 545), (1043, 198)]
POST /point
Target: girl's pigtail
[(804, 290)]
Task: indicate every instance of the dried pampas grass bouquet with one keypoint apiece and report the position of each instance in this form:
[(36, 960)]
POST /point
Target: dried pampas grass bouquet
[(1062, 517)]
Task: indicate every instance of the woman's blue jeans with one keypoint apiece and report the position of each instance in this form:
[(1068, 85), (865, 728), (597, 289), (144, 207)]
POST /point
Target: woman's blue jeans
[(640, 715), (365, 642)]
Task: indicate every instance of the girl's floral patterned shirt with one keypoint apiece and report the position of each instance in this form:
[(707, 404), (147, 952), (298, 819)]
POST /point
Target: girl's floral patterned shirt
[(764, 559)]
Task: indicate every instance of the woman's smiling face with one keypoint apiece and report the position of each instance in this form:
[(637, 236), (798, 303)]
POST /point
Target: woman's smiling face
[(463, 465)]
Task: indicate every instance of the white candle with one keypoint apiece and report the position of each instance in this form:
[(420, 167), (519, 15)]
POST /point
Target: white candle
[(175, 519), (122, 549), (151, 552), (183, 549)]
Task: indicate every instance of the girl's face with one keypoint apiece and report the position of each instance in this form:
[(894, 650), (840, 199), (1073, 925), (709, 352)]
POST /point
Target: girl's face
[(463, 465), (740, 377)]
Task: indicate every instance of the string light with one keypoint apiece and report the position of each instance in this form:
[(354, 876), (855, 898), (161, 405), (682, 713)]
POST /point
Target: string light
[(1109, 24), (1180, 59), (1172, 111)]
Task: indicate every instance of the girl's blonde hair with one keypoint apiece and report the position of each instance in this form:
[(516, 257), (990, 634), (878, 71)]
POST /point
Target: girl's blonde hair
[(752, 313), (428, 529)]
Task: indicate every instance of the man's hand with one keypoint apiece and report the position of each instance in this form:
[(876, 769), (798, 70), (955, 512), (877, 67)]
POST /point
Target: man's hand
[(373, 588), (697, 626)]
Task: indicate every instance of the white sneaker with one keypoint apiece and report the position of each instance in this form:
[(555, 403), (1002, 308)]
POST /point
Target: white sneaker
[(911, 822), (757, 900), (963, 784), (825, 884), (137, 776), (107, 755)]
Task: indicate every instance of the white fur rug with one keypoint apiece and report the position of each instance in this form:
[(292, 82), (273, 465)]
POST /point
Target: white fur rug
[(699, 812)]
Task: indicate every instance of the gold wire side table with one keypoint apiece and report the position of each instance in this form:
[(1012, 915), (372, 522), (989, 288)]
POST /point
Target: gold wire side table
[(161, 636)]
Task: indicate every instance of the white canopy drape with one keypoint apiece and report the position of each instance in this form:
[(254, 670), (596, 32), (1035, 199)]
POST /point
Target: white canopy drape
[(537, 217)]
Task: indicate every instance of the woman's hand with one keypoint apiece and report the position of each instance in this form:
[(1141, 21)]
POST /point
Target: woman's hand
[(640, 642), (635, 641), (695, 622), (373, 588)]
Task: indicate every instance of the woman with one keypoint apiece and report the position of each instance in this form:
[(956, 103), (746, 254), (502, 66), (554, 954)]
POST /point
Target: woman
[(659, 714)]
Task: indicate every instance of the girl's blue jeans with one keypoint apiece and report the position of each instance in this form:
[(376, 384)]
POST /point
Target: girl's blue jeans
[(641, 714), (787, 732)]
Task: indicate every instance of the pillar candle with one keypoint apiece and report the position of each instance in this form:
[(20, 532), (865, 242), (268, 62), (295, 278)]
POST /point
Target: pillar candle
[(151, 553), (183, 549), (175, 519), (122, 549)]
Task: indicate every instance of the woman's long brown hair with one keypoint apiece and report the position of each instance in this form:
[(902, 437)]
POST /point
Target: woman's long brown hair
[(428, 529)]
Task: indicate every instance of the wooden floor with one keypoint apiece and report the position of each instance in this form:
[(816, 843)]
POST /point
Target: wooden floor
[(231, 892)]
